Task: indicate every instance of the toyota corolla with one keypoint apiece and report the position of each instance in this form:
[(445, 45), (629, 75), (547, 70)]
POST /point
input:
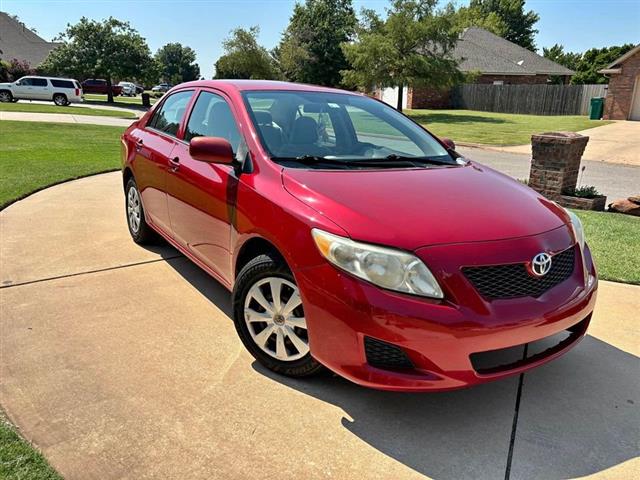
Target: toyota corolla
[(352, 238)]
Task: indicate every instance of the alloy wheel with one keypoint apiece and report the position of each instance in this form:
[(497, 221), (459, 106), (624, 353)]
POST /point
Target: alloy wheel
[(5, 97), (134, 210), (275, 319)]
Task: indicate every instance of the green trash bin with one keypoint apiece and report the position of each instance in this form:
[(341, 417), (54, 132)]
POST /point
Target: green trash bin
[(596, 108)]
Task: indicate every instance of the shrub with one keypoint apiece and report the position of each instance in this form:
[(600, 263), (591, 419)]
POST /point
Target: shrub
[(587, 191)]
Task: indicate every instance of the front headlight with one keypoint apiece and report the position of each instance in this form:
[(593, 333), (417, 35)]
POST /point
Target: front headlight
[(578, 231), (385, 267)]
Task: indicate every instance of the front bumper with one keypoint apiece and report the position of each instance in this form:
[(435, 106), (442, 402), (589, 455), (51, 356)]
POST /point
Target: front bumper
[(441, 337)]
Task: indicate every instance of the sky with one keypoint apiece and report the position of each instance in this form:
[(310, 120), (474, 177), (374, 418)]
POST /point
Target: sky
[(204, 24)]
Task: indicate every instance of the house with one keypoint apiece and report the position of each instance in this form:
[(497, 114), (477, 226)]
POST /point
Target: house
[(17, 41), (494, 60), (623, 96)]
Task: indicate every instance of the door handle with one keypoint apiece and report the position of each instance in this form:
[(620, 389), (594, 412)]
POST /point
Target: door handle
[(139, 144), (174, 164)]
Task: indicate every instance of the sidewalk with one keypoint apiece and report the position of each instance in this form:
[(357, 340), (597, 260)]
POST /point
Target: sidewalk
[(65, 118), (121, 362), (618, 142)]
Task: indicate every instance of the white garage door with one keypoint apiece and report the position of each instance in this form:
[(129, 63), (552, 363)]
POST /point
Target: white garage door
[(635, 102), (390, 97)]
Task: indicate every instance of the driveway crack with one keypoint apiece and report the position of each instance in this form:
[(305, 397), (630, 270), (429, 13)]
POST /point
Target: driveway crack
[(89, 272)]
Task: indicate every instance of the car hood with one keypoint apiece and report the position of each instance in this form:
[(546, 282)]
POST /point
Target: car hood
[(412, 208), (5, 84)]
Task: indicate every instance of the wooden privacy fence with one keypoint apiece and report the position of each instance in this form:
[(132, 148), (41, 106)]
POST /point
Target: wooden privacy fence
[(528, 99)]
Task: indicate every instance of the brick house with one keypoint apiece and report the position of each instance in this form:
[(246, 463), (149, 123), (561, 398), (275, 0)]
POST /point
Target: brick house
[(17, 41), (623, 96), (495, 61)]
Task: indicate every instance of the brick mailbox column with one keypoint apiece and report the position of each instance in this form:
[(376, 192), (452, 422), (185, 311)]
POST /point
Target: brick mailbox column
[(555, 163)]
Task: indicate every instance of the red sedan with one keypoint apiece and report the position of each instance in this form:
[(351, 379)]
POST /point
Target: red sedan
[(100, 86), (352, 238)]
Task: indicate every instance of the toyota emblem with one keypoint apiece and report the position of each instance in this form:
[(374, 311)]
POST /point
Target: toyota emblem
[(541, 264)]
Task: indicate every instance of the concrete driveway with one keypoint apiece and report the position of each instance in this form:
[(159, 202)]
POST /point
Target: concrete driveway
[(121, 362), (618, 142)]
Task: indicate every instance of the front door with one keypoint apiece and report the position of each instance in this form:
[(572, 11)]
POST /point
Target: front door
[(201, 195), (24, 88), (153, 145)]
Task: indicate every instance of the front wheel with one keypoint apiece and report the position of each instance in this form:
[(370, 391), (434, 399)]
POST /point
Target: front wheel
[(269, 317), (6, 97), (140, 231)]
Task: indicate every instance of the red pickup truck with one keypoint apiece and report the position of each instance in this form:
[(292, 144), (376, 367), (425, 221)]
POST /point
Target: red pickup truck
[(100, 86)]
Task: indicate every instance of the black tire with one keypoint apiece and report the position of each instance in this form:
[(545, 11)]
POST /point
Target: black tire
[(143, 234), (6, 96), (261, 267), (60, 100)]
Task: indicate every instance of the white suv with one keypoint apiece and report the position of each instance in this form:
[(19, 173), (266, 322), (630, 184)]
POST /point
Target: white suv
[(128, 89), (62, 91)]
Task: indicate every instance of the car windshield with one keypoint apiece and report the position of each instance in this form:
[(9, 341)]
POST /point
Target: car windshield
[(340, 130)]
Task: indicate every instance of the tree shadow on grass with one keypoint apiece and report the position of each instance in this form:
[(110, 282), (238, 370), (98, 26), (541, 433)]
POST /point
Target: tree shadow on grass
[(578, 414), (455, 118)]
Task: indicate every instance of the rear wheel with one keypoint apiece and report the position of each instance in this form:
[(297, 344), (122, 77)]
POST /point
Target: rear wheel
[(140, 231), (60, 100), (269, 317), (5, 96)]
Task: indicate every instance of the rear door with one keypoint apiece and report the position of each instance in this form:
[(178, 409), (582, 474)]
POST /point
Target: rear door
[(153, 145), (202, 195)]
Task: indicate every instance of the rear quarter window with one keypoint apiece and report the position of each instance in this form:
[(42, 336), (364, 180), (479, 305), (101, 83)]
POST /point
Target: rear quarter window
[(62, 83)]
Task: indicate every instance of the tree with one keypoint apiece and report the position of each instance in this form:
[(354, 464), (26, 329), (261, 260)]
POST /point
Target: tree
[(558, 55), (309, 51), (109, 49), (596, 59), (176, 63), (412, 46), (466, 17), (244, 57), (519, 24)]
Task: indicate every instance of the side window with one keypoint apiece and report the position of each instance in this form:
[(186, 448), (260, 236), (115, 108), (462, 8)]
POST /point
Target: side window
[(62, 83), (26, 81), (167, 118), (39, 82), (212, 117)]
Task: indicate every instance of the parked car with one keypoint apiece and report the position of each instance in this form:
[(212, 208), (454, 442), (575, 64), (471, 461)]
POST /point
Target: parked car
[(61, 91), (163, 87), (128, 89), (351, 237), (100, 86)]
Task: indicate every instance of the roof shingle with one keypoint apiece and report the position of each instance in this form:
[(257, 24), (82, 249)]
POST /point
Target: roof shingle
[(17, 41), (480, 50)]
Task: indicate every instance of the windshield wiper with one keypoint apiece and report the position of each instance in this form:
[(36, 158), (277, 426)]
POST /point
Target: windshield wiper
[(405, 158), (368, 162)]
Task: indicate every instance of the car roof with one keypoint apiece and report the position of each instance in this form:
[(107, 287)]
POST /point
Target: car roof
[(273, 85), (50, 78)]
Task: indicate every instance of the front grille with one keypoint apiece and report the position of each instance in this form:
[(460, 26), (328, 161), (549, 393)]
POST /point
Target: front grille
[(385, 355), (513, 280)]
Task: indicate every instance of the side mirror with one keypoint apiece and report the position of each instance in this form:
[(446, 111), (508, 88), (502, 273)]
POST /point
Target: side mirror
[(449, 143), (211, 150), (18, 83)]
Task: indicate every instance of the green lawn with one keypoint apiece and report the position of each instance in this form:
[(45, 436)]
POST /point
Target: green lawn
[(18, 459), (34, 155), (614, 240), (39, 108), (496, 128)]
